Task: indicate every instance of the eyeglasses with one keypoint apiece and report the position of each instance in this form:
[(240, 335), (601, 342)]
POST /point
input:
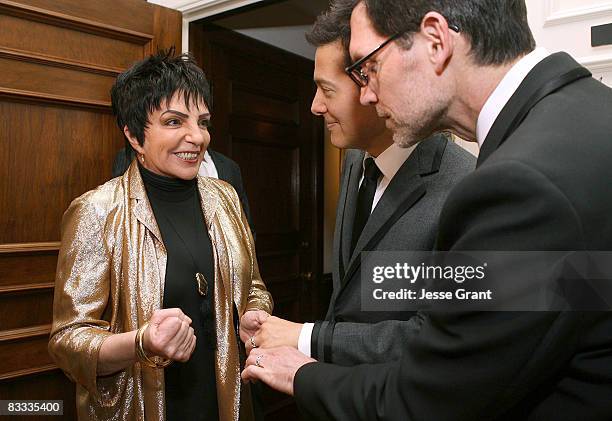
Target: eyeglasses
[(356, 70)]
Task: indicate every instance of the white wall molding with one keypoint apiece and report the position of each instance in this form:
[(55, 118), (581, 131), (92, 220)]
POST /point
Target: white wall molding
[(204, 8), (600, 66), (556, 16), (597, 63), (185, 36)]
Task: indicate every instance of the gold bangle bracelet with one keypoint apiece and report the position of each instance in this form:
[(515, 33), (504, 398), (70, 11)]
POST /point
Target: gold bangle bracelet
[(143, 358)]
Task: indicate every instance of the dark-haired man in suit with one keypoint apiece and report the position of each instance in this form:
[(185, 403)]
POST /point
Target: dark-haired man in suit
[(542, 183), (390, 199)]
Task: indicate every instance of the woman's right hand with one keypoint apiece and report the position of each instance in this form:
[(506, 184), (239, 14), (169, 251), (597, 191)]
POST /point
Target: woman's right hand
[(170, 335)]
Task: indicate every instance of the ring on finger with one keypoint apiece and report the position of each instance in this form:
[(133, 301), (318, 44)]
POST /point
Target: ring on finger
[(252, 340), (258, 361)]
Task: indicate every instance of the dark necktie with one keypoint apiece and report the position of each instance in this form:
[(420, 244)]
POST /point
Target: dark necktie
[(365, 199)]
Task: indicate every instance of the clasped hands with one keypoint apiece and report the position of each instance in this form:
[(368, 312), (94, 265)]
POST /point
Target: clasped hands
[(260, 330), (271, 344)]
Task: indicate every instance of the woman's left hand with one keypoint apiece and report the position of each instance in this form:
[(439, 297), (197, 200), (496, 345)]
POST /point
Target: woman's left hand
[(250, 322), (275, 332)]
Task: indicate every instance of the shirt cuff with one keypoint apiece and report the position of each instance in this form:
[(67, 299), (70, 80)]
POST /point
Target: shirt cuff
[(304, 339)]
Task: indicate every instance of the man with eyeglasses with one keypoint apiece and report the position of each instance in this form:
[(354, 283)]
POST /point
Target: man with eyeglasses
[(542, 183), (390, 199)]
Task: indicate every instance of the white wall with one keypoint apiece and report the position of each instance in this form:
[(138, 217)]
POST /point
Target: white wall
[(289, 38), (565, 25)]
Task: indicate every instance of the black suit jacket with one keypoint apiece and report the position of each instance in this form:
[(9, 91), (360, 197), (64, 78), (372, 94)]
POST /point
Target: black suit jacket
[(227, 169), (543, 183), (405, 218)]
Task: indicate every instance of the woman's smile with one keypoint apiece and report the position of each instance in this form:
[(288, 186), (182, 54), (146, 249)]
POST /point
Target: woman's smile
[(191, 157)]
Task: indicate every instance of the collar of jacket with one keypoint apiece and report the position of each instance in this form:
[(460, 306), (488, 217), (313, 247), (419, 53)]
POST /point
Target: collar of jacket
[(142, 208)]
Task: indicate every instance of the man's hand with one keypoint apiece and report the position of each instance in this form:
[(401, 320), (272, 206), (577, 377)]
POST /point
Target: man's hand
[(275, 332), (276, 368), (250, 322)]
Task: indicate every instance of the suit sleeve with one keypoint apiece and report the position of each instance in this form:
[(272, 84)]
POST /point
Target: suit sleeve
[(82, 290), (358, 343), (467, 365)]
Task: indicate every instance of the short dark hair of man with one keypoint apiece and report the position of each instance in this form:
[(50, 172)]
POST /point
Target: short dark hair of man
[(497, 29), (142, 88), (333, 25)]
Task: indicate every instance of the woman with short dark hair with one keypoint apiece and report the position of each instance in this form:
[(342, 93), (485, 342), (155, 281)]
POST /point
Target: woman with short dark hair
[(157, 266)]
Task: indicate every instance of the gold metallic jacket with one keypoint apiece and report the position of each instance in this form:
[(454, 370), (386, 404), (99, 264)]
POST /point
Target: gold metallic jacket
[(110, 279)]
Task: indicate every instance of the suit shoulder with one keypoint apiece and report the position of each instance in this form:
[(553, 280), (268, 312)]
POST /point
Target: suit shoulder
[(503, 203), (457, 160), (102, 198), (96, 204), (352, 156), (505, 177), (224, 160)]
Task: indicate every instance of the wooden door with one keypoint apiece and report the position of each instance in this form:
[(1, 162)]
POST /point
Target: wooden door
[(58, 138), (261, 118)]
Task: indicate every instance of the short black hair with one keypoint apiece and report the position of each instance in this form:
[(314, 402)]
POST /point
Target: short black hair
[(497, 29), (142, 88), (334, 25)]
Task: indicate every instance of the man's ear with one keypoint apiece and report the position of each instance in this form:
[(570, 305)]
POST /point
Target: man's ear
[(133, 141), (440, 40)]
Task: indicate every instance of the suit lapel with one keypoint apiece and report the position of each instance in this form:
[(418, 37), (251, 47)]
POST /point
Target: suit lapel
[(348, 210), (546, 77), (404, 191), (143, 212), (338, 269), (141, 207), (345, 213)]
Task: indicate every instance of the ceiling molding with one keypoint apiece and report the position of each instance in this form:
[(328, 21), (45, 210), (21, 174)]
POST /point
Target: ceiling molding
[(558, 16), (198, 9)]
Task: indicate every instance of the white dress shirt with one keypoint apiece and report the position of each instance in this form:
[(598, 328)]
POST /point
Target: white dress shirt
[(504, 91), (207, 167), (389, 162)]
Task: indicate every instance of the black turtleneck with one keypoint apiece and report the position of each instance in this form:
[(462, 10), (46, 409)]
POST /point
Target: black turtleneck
[(191, 392)]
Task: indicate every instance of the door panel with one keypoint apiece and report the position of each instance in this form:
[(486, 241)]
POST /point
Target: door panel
[(282, 218), (58, 139), (78, 47), (51, 156)]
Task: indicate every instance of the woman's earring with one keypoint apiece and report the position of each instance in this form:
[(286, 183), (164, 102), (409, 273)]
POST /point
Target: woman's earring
[(142, 158)]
